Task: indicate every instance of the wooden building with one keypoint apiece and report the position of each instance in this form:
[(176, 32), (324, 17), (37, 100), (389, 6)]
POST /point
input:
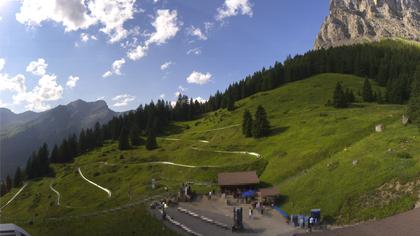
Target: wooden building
[(236, 182)]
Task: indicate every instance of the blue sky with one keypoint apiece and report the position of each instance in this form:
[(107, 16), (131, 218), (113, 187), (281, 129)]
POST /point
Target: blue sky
[(53, 51)]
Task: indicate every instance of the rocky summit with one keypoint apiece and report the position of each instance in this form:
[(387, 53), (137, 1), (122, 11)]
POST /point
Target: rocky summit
[(358, 21)]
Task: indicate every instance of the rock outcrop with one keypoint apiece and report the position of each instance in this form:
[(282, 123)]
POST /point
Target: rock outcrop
[(358, 21)]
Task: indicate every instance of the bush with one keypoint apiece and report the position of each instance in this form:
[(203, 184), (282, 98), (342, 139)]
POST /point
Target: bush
[(404, 155)]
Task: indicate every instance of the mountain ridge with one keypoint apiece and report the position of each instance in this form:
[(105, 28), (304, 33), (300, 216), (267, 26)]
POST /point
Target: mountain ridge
[(21, 134), (354, 21)]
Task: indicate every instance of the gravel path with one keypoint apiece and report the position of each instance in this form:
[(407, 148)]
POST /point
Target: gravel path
[(14, 196), (257, 155), (56, 192), (95, 184)]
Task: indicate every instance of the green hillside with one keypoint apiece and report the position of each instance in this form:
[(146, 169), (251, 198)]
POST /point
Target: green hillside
[(318, 156)]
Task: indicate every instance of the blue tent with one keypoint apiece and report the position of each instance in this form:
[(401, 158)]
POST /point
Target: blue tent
[(249, 193)]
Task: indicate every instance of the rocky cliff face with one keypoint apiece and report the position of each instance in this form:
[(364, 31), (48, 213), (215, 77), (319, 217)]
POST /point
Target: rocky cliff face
[(356, 21)]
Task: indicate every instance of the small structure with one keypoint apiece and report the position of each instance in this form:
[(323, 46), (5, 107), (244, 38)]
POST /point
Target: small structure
[(237, 182), (268, 195), (12, 229), (379, 128)]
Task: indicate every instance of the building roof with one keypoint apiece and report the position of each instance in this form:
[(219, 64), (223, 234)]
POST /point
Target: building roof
[(267, 192), (6, 229), (237, 178)]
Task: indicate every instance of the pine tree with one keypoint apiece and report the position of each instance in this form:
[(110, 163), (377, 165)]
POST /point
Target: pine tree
[(339, 98), (350, 96), (151, 141), (2, 189), (135, 138), (414, 103), (8, 183), (29, 168), (230, 104), (261, 124), (123, 142), (99, 136), (247, 124), (367, 93), (18, 178), (54, 155)]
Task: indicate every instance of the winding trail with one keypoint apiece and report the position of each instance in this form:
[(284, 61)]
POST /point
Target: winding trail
[(56, 192), (95, 184), (175, 164), (217, 129), (257, 155), (14, 196)]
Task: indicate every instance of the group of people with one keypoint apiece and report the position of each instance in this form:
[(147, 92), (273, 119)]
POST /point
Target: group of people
[(258, 206), (304, 221)]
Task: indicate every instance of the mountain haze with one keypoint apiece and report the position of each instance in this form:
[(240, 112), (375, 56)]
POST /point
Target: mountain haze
[(357, 21), (21, 134)]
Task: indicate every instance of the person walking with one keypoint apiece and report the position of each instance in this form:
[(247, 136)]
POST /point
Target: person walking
[(311, 222), (250, 213)]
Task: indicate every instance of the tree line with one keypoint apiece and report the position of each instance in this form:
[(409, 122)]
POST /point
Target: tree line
[(258, 127)]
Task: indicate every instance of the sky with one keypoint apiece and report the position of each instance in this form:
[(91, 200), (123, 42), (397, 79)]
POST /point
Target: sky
[(130, 52)]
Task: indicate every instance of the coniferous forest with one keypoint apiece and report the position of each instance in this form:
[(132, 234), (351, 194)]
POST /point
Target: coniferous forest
[(392, 64)]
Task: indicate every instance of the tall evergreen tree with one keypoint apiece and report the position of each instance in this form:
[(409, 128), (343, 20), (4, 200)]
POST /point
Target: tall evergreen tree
[(99, 136), (367, 93), (230, 104), (8, 183), (414, 103), (3, 189), (135, 138), (339, 98), (151, 142), (247, 124), (18, 178), (123, 142), (54, 157), (261, 124)]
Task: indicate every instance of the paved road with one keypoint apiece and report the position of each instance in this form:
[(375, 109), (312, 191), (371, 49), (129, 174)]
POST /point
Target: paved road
[(207, 229), (405, 224)]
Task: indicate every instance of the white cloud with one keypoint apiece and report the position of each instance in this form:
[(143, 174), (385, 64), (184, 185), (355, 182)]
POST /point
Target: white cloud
[(137, 53), (2, 63), (107, 74), (47, 88), (122, 100), (14, 84), (38, 67), (194, 51), (162, 96), (166, 65), (80, 14), (166, 27), (177, 93), (233, 8), (182, 89), (84, 37), (115, 68), (72, 81), (100, 98), (199, 78), (197, 33), (200, 99)]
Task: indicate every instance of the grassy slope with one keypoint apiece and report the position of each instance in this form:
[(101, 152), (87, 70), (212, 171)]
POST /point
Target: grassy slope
[(304, 157)]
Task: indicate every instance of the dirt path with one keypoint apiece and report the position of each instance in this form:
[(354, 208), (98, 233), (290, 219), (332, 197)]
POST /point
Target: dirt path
[(175, 164), (56, 192), (95, 184), (217, 129), (14, 196), (257, 155)]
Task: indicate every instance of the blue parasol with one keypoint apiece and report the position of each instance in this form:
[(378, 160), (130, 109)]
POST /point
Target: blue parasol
[(249, 193)]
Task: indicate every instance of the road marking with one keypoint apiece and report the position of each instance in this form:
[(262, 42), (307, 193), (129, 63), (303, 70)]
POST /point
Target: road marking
[(95, 184), (14, 196)]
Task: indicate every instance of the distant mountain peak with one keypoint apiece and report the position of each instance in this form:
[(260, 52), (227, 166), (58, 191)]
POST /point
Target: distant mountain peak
[(358, 21)]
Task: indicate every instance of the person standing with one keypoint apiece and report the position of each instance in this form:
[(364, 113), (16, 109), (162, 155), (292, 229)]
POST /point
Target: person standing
[(250, 213)]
